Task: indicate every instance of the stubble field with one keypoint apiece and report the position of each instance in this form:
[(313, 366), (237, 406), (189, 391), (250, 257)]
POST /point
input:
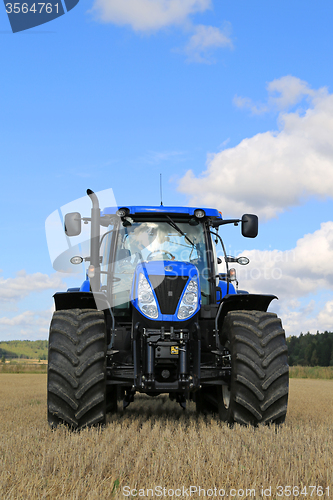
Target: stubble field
[(154, 444)]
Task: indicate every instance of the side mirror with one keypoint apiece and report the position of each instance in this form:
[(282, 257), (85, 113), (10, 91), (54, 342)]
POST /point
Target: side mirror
[(249, 225), (73, 224)]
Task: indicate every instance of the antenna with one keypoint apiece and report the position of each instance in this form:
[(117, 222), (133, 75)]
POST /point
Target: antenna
[(161, 189)]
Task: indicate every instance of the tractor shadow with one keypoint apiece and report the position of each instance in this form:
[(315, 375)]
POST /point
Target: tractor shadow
[(157, 409)]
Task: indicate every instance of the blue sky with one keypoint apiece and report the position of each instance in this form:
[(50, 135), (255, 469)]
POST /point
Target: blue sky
[(231, 101)]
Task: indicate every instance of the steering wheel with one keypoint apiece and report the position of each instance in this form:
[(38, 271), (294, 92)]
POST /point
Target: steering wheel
[(161, 252)]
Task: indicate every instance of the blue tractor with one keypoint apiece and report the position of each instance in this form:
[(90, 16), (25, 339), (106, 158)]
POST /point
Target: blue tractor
[(154, 315)]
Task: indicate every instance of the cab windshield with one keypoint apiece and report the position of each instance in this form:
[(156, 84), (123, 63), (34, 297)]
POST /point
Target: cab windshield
[(151, 241)]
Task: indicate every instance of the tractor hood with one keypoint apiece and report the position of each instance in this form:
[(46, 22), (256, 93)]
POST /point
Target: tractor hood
[(166, 290)]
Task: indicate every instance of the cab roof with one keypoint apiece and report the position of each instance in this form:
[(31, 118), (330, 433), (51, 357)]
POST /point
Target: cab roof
[(161, 209)]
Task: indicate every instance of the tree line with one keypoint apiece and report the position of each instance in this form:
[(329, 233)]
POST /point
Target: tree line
[(24, 349), (305, 350), (311, 350)]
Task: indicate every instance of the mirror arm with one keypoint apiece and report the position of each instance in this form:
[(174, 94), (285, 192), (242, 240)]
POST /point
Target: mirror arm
[(217, 223)]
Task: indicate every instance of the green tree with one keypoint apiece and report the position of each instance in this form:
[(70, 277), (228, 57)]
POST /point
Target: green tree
[(331, 360), (314, 358)]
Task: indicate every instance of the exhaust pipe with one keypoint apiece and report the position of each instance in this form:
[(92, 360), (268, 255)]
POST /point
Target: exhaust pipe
[(94, 242)]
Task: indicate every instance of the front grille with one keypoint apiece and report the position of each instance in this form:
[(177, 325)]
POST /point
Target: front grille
[(169, 291)]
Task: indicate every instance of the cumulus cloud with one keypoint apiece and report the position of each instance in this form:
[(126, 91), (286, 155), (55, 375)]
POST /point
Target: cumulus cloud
[(148, 15), (325, 317), (303, 319), (13, 289), (283, 93), (288, 91), (26, 318), (297, 272), (205, 38), (273, 170), (295, 276), (245, 102), (153, 15), (31, 325)]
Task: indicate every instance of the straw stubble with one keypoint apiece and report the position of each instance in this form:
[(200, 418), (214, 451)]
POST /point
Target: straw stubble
[(154, 443)]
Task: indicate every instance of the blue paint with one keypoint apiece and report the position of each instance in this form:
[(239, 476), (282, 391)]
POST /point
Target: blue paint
[(85, 287), (165, 268), (160, 209)]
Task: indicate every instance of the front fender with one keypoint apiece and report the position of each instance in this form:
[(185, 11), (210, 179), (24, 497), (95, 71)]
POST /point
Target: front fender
[(245, 302), (80, 300)]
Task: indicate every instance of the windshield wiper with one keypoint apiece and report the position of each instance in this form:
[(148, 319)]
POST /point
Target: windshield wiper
[(174, 225)]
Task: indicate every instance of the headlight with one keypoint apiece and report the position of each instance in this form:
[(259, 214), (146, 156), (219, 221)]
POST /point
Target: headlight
[(76, 260), (189, 301), (199, 213), (243, 260), (146, 299), (122, 212)]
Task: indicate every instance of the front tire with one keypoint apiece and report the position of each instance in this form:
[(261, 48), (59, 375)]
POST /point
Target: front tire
[(76, 387), (259, 384)]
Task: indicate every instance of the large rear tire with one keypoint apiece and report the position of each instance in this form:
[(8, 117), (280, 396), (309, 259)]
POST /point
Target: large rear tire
[(76, 387), (259, 383)]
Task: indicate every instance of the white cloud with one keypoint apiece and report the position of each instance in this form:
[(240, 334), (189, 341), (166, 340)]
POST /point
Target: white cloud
[(290, 90), (29, 325), (297, 320), (24, 319), (148, 15), (153, 15), (295, 276), (13, 289), (271, 171), (204, 39), (245, 102), (310, 317), (283, 93), (325, 317), (305, 269)]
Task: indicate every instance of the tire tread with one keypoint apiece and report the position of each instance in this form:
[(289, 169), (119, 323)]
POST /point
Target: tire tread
[(259, 383), (77, 368)]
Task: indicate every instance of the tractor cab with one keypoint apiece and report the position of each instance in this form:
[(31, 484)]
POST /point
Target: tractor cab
[(150, 257)]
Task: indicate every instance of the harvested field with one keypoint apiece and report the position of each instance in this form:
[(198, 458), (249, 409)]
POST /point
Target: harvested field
[(155, 443), (320, 372), (32, 366), (24, 367)]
